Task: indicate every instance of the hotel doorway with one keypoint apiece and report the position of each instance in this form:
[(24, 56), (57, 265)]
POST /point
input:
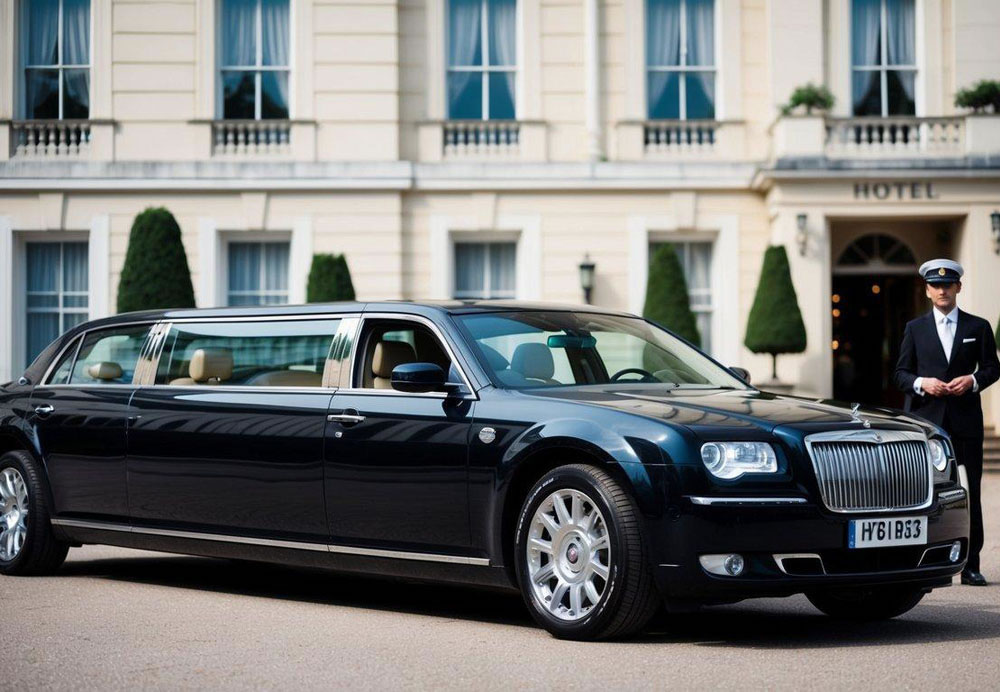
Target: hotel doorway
[(876, 291)]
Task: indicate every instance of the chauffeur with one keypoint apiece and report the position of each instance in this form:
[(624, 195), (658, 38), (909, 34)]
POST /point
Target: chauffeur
[(947, 359)]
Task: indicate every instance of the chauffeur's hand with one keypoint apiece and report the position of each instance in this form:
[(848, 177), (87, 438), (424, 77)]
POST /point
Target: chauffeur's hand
[(934, 386), (960, 385)]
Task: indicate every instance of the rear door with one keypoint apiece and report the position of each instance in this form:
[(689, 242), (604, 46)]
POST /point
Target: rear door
[(396, 463), (79, 415), (229, 439)]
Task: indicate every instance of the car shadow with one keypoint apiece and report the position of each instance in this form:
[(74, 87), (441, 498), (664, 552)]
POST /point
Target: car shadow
[(762, 624)]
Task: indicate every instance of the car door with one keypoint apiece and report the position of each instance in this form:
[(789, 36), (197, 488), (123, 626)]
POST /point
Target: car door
[(396, 463), (79, 416), (229, 438)]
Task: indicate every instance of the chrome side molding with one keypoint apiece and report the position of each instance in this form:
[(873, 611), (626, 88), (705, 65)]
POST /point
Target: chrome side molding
[(700, 500), (272, 543)]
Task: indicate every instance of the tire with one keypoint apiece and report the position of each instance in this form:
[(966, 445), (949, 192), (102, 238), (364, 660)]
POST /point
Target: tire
[(40, 552), (869, 605), (598, 533)]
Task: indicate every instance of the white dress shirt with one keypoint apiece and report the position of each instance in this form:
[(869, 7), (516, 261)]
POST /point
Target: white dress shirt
[(947, 325)]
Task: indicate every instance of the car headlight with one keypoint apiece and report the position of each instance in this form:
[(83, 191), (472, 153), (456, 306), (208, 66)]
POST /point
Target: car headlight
[(730, 460), (938, 455)]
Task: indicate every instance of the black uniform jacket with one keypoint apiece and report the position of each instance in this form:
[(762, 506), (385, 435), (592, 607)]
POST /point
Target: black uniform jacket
[(974, 351)]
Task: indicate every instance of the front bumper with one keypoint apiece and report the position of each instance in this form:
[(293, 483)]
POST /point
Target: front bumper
[(760, 529)]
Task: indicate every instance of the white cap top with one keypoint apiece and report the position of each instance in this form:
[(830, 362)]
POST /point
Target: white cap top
[(941, 270)]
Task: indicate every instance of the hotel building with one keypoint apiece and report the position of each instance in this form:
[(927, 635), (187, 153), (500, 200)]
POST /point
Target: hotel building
[(485, 148)]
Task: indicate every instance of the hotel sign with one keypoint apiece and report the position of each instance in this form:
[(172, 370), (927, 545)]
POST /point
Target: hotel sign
[(896, 190)]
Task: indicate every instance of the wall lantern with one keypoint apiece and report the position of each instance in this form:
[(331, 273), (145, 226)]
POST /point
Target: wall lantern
[(801, 236), (587, 277), (995, 222)]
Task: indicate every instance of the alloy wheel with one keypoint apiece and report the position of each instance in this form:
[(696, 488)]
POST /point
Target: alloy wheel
[(568, 554), (13, 513)]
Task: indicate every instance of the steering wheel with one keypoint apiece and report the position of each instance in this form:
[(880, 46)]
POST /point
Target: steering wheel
[(647, 376)]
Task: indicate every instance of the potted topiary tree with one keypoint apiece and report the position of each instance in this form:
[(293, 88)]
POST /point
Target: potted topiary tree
[(775, 325), (155, 274), (667, 301), (981, 96), (329, 280), (809, 96)]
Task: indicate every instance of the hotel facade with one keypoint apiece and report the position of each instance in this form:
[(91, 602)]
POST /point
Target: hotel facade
[(487, 148)]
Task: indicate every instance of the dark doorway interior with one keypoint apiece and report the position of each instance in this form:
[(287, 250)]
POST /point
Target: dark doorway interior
[(869, 315)]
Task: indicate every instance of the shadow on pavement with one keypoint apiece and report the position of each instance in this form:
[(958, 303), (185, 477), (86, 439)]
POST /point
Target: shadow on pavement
[(746, 624)]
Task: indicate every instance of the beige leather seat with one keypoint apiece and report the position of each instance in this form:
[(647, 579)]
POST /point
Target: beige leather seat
[(389, 354), (286, 378), (534, 361), (105, 371), (208, 366)]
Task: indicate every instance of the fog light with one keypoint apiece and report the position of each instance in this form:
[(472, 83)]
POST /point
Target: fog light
[(730, 565), (956, 551)]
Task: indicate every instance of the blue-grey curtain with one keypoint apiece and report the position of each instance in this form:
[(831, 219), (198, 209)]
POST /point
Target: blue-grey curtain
[(663, 49), (465, 49), (865, 34), (700, 51), (502, 28)]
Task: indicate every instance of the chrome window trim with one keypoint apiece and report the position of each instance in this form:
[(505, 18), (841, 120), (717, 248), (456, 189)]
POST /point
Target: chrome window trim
[(877, 437), (779, 559), (701, 500), (78, 339), (272, 543), (470, 393)]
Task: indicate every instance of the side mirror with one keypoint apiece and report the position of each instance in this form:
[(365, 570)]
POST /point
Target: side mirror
[(415, 378), (741, 373)]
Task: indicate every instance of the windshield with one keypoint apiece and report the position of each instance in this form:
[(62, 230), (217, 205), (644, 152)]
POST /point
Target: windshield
[(554, 349)]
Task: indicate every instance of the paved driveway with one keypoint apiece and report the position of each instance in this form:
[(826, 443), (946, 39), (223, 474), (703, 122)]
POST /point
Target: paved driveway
[(116, 618)]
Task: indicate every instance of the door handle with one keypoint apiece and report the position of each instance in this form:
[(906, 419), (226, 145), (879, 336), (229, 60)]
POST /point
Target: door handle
[(346, 418), (43, 410)]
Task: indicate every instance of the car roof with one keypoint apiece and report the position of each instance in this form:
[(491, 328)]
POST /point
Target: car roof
[(455, 307)]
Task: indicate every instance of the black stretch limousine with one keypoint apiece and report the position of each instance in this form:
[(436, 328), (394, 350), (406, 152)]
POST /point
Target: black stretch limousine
[(592, 460)]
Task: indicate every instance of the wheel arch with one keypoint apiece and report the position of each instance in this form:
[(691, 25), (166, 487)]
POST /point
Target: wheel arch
[(523, 467)]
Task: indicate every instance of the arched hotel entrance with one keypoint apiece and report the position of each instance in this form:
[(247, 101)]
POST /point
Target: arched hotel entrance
[(876, 291)]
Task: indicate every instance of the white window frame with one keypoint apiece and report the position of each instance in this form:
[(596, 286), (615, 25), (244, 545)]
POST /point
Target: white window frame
[(683, 68), (258, 68), (485, 68), (884, 68), (60, 67), (487, 293), (261, 240)]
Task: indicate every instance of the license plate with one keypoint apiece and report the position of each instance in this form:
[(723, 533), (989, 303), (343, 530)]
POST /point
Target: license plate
[(879, 533)]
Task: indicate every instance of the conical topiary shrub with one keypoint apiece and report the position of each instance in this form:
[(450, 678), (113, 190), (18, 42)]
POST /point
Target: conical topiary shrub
[(667, 300), (155, 273), (329, 280), (775, 325)]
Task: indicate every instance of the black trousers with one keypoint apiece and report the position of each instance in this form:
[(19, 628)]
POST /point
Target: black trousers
[(969, 452)]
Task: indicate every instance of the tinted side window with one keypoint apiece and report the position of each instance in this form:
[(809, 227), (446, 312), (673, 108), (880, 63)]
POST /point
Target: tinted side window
[(389, 344), (289, 353), (109, 356), (61, 373)]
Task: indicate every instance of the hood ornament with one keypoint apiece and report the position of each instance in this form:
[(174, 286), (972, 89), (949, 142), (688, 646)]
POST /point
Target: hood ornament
[(855, 407)]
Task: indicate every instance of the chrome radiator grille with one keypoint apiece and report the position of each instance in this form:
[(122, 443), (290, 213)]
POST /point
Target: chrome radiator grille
[(871, 471)]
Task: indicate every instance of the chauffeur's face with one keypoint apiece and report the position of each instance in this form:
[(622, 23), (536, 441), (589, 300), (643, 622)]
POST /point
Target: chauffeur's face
[(943, 296)]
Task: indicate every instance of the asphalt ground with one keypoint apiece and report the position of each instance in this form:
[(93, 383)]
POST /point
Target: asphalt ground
[(116, 619)]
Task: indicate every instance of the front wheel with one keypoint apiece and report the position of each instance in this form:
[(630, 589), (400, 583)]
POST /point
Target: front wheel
[(866, 604), (27, 545), (581, 556)]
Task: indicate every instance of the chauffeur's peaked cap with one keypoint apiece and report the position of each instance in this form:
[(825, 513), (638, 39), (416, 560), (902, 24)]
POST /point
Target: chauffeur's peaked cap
[(941, 271)]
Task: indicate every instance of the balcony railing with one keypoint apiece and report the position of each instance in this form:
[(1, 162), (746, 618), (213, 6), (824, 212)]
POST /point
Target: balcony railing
[(481, 139), (251, 137), (46, 139), (670, 138), (894, 136)]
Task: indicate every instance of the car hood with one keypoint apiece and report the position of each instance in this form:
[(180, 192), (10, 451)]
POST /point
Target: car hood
[(713, 412)]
